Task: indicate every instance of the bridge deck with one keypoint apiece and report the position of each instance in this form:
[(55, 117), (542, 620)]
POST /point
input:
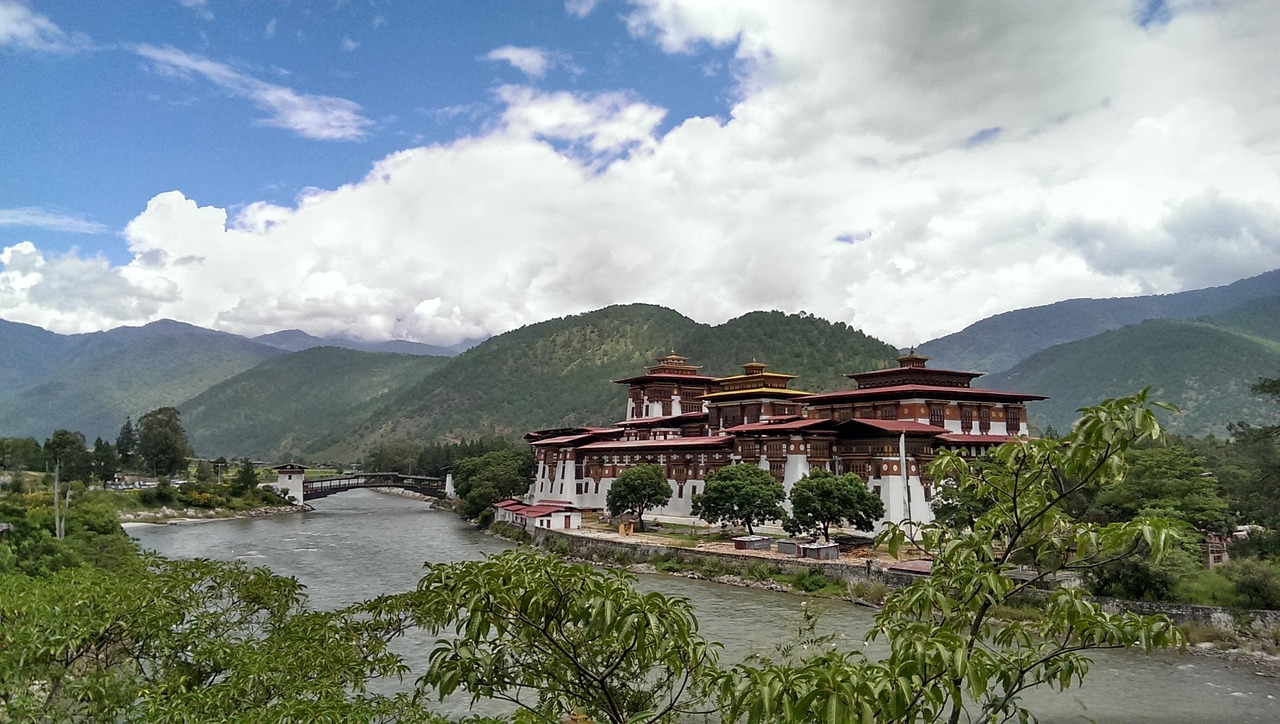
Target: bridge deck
[(322, 487)]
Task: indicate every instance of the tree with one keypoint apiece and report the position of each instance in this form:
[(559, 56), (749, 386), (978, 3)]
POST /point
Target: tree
[(190, 641), (740, 494), (484, 480), (947, 660), (105, 461), (204, 471), (553, 638), (1167, 481), (67, 449), (820, 500), (246, 477), (127, 442), (162, 442), (638, 489)]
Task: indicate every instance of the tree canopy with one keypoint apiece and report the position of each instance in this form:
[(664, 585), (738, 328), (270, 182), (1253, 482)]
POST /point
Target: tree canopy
[(483, 480), (821, 500), (162, 442), (741, 494), (638, 489)]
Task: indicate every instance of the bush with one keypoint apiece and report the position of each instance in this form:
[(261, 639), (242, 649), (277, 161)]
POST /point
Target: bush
[(761, 572), (485, 518), (1257, 581), (870, 591), (1207, 588), (558, 546), (669, 566), (811, 580)]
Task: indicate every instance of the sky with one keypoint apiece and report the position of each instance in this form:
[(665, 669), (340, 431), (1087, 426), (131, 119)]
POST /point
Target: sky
[(445, 171)]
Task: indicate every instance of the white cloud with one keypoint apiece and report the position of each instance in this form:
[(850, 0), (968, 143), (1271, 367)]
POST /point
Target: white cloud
[(311, 116), (580, 8), (51, 219), (349, 45), (270, 31), (201, 8), (22, 28), (533, 62), (905, 167)]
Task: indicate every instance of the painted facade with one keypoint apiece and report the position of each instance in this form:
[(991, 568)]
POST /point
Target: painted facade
[(886, 428)]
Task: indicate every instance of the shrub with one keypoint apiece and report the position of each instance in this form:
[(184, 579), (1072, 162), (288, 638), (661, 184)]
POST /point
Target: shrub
[(669, 566), (1198, 633), (761, 572), (870, 591), (485, 519), (811, 580), (558, 546), (1207, 588), (1257, 581)]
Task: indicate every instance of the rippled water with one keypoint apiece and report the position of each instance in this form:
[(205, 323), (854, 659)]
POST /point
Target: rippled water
[(361, 544)]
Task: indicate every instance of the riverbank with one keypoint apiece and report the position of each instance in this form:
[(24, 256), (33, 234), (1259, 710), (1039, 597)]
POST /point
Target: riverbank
[(167, 515), (1250, 640)]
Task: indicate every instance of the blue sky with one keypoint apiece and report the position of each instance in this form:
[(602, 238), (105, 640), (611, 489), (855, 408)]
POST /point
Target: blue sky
[(446, 170)]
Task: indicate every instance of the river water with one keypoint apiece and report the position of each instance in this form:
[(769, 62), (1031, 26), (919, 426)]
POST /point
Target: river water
[(362, 544)]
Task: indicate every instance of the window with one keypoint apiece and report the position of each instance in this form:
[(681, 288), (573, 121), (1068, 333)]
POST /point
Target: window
[(937, 415), (966, 418), (1013, 420), (984, 420), (889, 412)]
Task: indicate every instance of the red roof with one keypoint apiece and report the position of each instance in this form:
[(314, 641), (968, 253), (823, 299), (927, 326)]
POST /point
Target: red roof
[(909, 391), (677, 419), (898, 425), (961, 438), (537, 511), (669, 442), (666, 377), (770, 425), (564, 440)]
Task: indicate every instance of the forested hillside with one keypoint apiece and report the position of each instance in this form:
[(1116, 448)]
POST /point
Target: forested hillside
[(297, 400), (558, 372), (1205, 367), (95, 380), (295, 340), (998, 343)]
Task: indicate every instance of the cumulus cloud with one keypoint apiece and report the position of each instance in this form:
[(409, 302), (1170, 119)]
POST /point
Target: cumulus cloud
[(51, 219), (311, 116), (905, 167), (22, 28)]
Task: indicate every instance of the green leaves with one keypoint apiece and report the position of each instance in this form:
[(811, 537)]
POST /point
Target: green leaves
[(820, 500), (555, 637), (741, 494)]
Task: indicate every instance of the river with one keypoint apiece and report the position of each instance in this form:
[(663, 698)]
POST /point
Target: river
[(361, 544)]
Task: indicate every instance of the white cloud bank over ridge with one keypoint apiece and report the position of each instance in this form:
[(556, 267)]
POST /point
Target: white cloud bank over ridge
[(907, 167)]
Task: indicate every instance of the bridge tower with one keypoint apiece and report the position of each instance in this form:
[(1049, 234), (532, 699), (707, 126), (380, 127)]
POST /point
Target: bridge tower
[(289, 479)]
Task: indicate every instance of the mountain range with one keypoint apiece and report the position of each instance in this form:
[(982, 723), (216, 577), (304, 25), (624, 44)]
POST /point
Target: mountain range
[(290, 395)]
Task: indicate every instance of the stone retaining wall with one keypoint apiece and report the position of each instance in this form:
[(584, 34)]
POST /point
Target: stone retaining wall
[(1257, 621), (595, 548)]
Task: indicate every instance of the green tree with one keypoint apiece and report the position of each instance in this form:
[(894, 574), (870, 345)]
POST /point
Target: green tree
[(21, 453), (245, 479), (189, 641), (204, 471), (947, 660), (820, 500), (1143, 576), (484, 480), (162, 442), (105, 461), (553, 637), (127, 443), (394, 457), (1171, 482), (1258, 581), (740, 494), (638, 489), (67, 449)]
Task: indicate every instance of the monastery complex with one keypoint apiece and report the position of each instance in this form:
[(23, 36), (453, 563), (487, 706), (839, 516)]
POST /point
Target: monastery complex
[(886, 429)]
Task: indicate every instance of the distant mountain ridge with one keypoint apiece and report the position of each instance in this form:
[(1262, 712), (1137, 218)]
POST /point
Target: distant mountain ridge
[(998, 343), (1204, 366), (296, 340)]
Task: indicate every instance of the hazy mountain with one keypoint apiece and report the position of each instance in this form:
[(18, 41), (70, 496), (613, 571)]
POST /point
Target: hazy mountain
[(1204, 366), (277, 407), (998, 343), (91, 382), (296, 340)]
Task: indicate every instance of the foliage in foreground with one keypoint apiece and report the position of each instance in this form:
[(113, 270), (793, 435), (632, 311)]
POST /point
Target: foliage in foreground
[(945, 649)]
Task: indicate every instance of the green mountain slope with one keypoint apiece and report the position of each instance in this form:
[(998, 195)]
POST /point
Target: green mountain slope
[(29, 355), (126, 372), (558, 372), (1205, 370), (998, 343), (274, 408)]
